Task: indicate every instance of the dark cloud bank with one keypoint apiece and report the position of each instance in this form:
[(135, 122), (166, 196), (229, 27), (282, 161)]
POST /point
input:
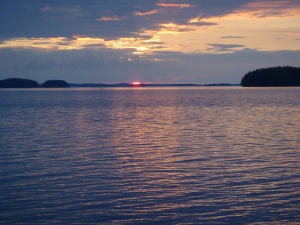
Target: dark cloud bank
[(103, 66), (68, 18)]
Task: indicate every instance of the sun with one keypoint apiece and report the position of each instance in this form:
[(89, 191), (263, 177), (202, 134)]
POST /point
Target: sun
[(136, 83)]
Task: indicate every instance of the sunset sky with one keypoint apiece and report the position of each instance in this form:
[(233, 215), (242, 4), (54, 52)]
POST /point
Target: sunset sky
[(108, 41)]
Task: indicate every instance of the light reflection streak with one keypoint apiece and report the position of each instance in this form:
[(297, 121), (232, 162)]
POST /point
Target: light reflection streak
[(167, 175)]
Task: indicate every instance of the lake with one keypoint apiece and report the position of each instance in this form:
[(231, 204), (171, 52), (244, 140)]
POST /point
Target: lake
[(192, 155)]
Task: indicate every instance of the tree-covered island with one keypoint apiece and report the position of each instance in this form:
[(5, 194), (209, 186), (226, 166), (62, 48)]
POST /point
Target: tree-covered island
[(25, 83), (18, 83), (272, 77), (55, 84)]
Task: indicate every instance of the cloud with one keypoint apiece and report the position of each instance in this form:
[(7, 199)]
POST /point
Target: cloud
[(36, 65), (174, 5), (103, 65), (46, 8), (37, 19), (157, 47), (268, 9), (232, 37), (90, 40), (225, 47), (103, 19), (153, 42), (95, 46), (109, 18), (203, 23), (174, 28), (154, 11), (81, 43)]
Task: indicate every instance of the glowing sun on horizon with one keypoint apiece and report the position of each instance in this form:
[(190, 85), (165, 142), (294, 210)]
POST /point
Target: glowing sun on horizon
[(136, 83)]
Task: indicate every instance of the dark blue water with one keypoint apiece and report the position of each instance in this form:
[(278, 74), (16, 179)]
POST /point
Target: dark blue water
[(144, 156)]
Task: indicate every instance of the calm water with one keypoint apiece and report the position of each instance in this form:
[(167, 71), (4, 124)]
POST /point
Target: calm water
[(144, 156)]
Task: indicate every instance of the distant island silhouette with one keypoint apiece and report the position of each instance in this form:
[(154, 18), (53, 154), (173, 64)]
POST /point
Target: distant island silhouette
[(286, 76), (26, 83), (18, 83), (55, 84), (147, 85), (266, 77)]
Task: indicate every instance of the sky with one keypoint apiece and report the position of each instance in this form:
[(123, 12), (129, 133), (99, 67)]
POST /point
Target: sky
[(151, 41)]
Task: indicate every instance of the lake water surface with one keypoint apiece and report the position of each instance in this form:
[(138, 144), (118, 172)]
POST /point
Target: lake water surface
[(150, 155)]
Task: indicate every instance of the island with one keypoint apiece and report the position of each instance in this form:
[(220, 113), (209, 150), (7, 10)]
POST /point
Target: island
[(286, 76), (18, 83), (26, 83), (55, 84)]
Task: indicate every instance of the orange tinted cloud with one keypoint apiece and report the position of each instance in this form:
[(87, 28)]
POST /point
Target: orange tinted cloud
[(174, 5), (145, 13), (110, 18), (264, 8)]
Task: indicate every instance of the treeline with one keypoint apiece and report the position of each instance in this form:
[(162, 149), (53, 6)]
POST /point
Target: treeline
[(221, 84), (25, 83), (272, 77)]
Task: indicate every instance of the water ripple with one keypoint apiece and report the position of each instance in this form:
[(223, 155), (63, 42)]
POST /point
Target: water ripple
[(130, 156)]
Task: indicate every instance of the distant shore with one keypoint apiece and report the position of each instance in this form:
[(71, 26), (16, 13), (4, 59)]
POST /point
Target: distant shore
[(147, 85), (266, 77), (26, 83)]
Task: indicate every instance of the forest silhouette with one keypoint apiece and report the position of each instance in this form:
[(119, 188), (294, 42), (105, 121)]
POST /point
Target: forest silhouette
[(272, 77), (26, 83)]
